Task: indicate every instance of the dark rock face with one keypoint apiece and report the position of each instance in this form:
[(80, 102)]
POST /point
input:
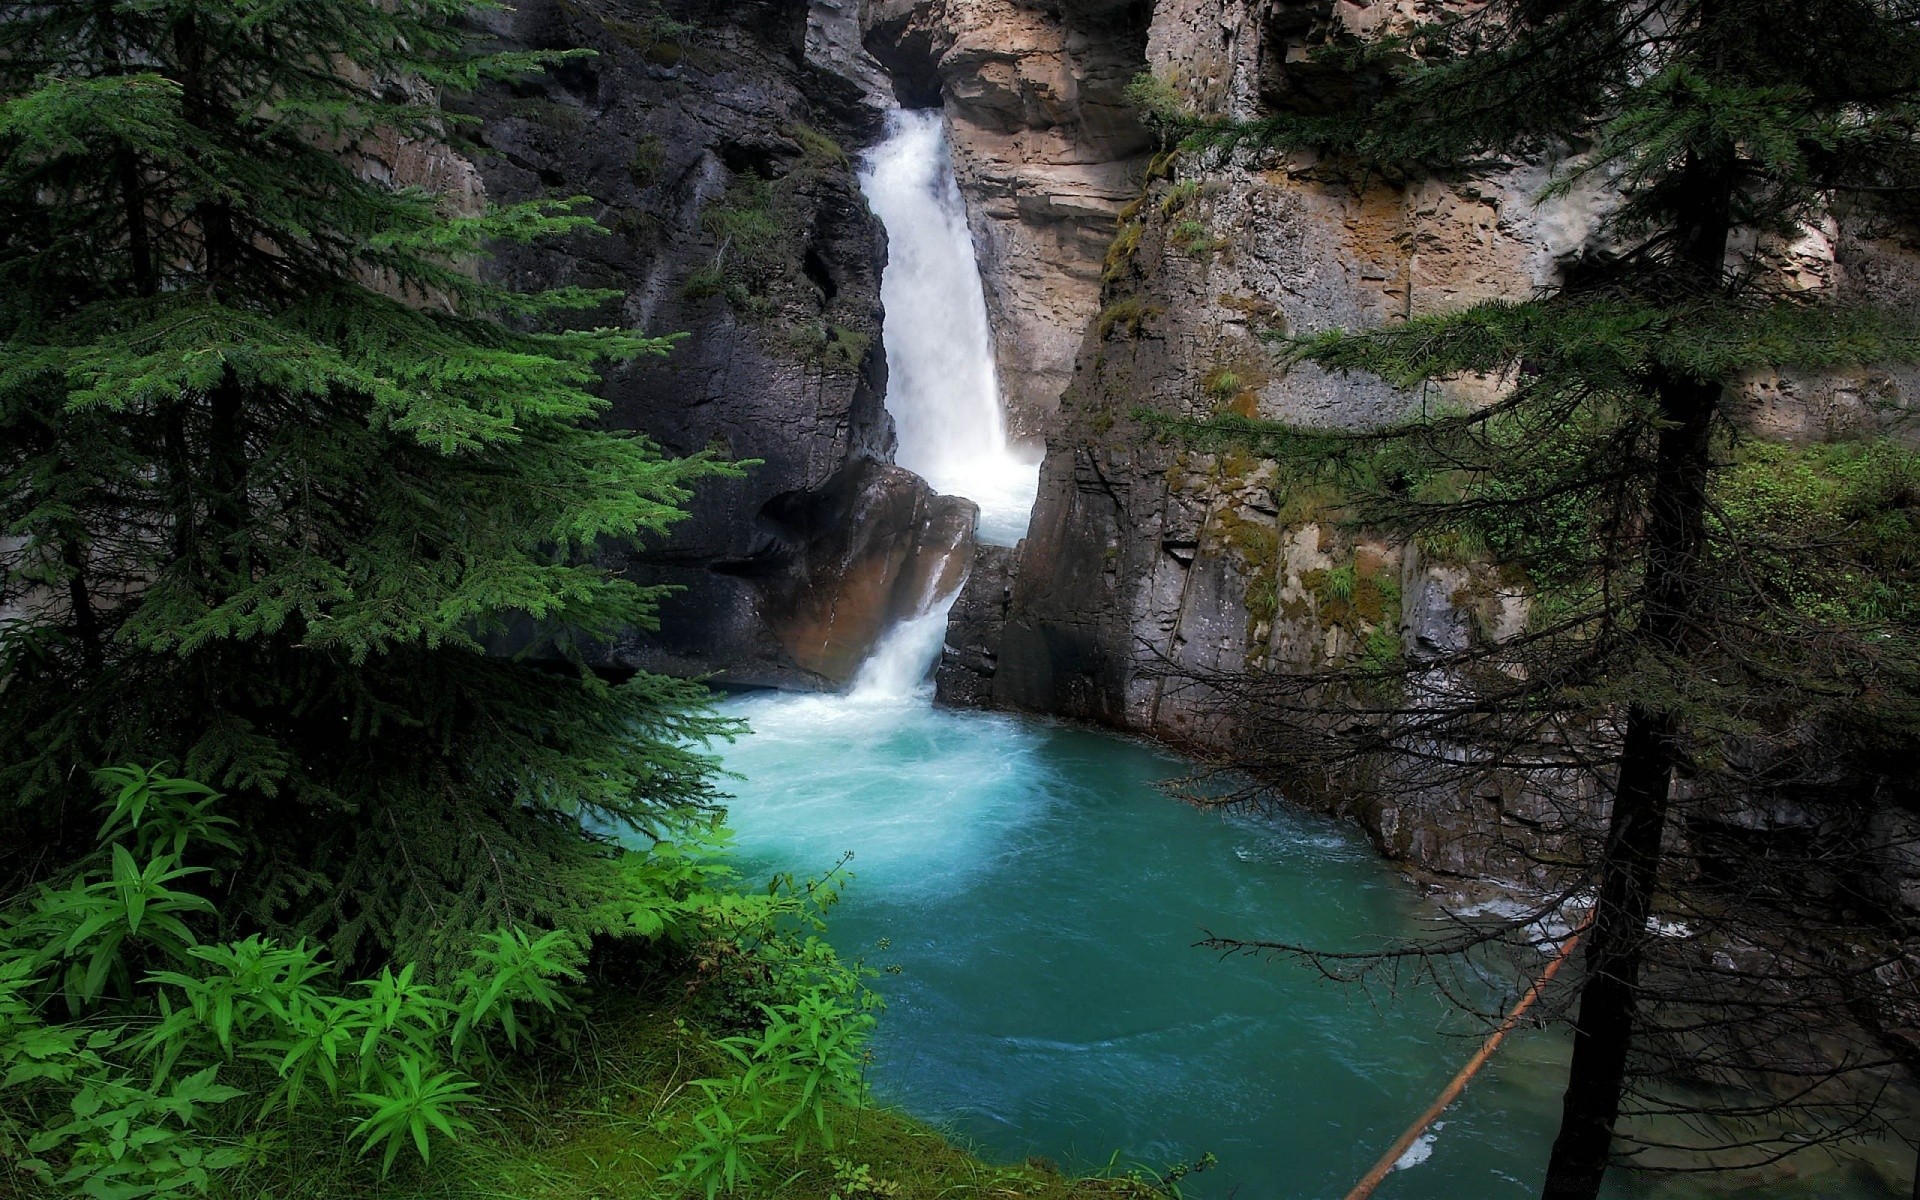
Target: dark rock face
[(964, 678), (711, 141)]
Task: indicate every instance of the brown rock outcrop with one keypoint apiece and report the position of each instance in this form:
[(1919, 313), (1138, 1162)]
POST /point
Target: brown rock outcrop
[(839, 564)]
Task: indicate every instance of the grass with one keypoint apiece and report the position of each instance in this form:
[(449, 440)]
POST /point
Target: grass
[(1130, 313), (603, 1120)]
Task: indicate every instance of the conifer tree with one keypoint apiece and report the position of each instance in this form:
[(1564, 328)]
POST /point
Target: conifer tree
[(276, 462), (1715, 620)]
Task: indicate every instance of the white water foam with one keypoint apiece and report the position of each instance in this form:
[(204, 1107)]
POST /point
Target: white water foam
[(942, 388), (1421, 1150), (900, 665)]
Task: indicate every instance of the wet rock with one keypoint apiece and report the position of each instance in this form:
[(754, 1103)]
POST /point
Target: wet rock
[(971, 658), (840, 564)]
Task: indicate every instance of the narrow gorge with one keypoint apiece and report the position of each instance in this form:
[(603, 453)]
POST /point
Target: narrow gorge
[(901, 599), (936, 267), (1031, 894)]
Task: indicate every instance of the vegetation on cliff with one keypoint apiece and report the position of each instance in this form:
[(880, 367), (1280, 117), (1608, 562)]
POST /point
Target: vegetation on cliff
[(1723, 627)]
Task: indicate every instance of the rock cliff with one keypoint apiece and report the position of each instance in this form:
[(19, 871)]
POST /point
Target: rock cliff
[(1147, 564), (713, 143)]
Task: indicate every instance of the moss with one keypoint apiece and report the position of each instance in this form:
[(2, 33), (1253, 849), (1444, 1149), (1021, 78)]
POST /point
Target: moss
[(1194, 238), (1360, 597), (1308, 504), (1221, 383), (1121, 251), (1131, 312), (759, 227), (1375, 600), (1161, 166), (1257, 544), (648, 160), (836, 347), (1237, 466), (1382, 650), (819, 150), (1179, 196), (1179, 474)]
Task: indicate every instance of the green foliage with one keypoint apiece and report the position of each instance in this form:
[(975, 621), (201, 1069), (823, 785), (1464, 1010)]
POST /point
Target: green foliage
[(1717, 625), (1130, 313), (835, 347), (278, 465), (1221, 383), (1193, 237), (1157, 100), (415, 1105), (856, 1181), (1179, 196), (759, 230), (1827, 534), (806, 1062), (820, 149), (757, 250), (184, 1057), (803, 1055), (1120, 252)]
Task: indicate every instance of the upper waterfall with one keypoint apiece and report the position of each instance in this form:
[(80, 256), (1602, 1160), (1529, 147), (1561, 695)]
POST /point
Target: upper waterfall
[(943, 390)]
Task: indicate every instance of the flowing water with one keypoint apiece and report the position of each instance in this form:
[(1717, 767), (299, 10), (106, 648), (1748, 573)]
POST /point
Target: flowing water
[(1033, 900), (942, 389)]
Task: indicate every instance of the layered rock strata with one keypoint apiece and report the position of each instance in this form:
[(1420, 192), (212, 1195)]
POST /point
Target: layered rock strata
[(1047, 149)]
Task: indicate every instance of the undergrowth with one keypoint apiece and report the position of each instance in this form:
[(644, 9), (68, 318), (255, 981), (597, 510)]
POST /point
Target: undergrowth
[(607, 1120), (706, 1041)]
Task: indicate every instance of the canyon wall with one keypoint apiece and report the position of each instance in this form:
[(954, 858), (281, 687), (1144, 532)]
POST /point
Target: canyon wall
[(1149, 565), (716, 144), (713, 143)]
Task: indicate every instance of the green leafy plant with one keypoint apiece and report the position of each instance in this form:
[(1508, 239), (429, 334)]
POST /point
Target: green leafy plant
[(118, 1008), (856, 1181), (412, 1106)]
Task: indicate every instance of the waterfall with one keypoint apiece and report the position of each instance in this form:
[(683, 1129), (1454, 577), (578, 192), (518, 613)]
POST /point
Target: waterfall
[(898, 667), (942, 388)]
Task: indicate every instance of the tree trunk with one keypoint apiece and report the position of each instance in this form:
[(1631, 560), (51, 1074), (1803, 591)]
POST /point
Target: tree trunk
[(1629, 868)]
